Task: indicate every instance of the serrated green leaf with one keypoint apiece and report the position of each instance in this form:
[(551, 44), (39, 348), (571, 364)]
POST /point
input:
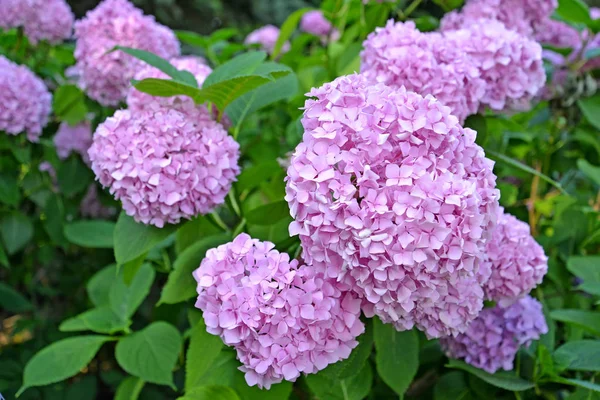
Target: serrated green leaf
[(244, 64)]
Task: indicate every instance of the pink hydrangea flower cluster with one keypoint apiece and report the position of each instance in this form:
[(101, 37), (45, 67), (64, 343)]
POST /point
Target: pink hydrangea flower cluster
[(50, 20), (518, 262), (558, 34), (267, 37), (393, 197), (509, 63), (137, 100), (73, 139), (106, 75), (92, 207), (314, 22), (491, 342), (25, 102), (164, 164), (399, 55), (518, 15), (282, 319)]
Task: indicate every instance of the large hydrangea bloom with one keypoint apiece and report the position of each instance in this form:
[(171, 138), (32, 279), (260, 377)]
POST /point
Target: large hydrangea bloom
[(392, 196), (50, 20), (281, 319), (73, 139), (399, 55), (106, 76), (509, 63), (164, 164), (266, 37), (518, 262), (493, 339), (25, 102), (517, 15), (137, 100)]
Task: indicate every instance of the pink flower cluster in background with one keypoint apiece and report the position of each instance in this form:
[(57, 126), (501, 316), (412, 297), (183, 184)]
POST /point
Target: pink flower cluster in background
[(106, 75), (281, 319), (314, 22), (50, 20), (26, 102), (73, 139), (267, 37)]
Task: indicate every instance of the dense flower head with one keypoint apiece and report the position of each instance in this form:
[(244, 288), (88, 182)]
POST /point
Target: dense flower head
[(491, 342), (50, 20), (392, 196), (137, 100), (164, 164), (25, 102), (282, 319), (399, 55), (509, 63), (73, 139), (314, 22), (92, 207), (106, 75), (266, 37), (518, 262), (517, 15)]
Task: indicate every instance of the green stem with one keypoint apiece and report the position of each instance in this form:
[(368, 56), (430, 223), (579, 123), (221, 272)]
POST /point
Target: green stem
[(218, 221), (412, 7)]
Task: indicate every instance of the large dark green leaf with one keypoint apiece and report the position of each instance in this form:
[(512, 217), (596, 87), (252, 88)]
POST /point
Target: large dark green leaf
[(582, 355), (73, 176), (356, 387), (124, 299), (99, 320), (590, 106), (13, 301), (16, 231), (68, 104), (244, 64), (210, 393), (585, 267), (504, 380), (587, 320), (203, 352), (9, 189), (268, 214), (161, 64), (92, 234), (129, 389), (574, 11)]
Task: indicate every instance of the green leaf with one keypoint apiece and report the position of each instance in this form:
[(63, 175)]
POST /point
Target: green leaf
[(68, 104), (356, 387), (161, 64), (585, 267), (125, 300), (252, 177), (287, 29), (98, 287), (192, 231), (73, 176), (181, 285), (92, 234), (583, 355), (13, 301), (587, 320), (359, 356), (349, 61), (574, 11), (132, 239), (3, 257), (166, 88), (397, 355), (452, 386), (55, 220), (503, 380), (129, 389), (203, 352), (244, 64), (224, 93), (99, 320), (210, 393), (589, 170), (61, 360), (151, 353), (449, 5), (591, 288), (279, 391), (578, 383), (9, 189), (268, 214), (590, 107), (16, 231)]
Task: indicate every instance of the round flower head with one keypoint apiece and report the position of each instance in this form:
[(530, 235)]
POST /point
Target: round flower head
[(509, 63), (399, 55), (266, 37), (91, 207), (281, 319), (106, 75), (314, 22), (25, 102), (517, 15), (73, 139), (164, 164), (137, 100), (50, 20), (491, 342), (518, 262), (392, 196)]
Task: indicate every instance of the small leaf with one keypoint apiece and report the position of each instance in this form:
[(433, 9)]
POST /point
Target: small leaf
[(92, 234), (181, 285), (287, 28), (125, 300), (210, 393), (13, 301), (99, 320), (129, 389), (132, 239), (586, 320), (151, 353), (397, 355), (268, 214), (590, 107), (98, 287), (584, 355), (503, 380), (16, 231), (203, 352), (60, 360)]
